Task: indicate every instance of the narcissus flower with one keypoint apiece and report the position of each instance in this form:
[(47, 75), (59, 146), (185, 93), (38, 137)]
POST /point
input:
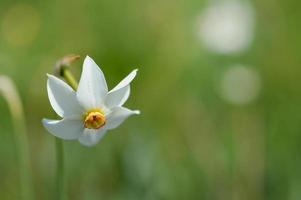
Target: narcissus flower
[(91, 110)]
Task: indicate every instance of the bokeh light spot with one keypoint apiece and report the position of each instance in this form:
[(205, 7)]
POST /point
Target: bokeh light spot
[(20, 25), (226, 26), (240, 85)]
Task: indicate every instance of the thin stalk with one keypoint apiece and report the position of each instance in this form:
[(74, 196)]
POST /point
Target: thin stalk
[(67, 75), (10, 94), (60, 169)]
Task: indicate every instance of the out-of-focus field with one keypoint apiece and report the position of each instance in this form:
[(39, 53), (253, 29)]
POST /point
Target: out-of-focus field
[(218, 87)]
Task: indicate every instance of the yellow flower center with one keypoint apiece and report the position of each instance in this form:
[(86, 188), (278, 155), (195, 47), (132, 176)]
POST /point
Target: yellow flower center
[(94, 119)]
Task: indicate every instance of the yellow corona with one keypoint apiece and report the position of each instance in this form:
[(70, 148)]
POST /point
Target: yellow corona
[(94, 119)]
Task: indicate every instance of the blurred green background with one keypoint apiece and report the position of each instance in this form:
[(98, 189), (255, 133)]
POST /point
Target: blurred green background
[(218, 88)]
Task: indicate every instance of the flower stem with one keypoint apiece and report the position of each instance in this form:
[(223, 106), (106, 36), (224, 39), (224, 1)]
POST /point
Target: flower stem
[(60, 169), (67, 75), (10, 94), (61, 69)]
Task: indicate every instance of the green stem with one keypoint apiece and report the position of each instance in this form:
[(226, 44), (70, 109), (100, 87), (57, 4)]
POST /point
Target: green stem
[(60, 169), (10, 94), (67, 75)]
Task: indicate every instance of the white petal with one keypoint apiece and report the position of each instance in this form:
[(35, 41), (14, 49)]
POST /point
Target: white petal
[(117, 97), (91, 137), (117, 116), (119, 94), (126, 81), (62, 98), (65, 128), (92, 87)]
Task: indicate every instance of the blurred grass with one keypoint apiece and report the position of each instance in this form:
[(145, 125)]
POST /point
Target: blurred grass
[(189, 143)]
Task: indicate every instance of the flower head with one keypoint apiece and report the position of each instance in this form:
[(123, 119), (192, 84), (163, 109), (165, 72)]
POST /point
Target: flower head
[(90, 111)]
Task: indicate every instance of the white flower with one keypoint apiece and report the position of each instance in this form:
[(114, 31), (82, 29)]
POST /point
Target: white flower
[(91, 110)]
